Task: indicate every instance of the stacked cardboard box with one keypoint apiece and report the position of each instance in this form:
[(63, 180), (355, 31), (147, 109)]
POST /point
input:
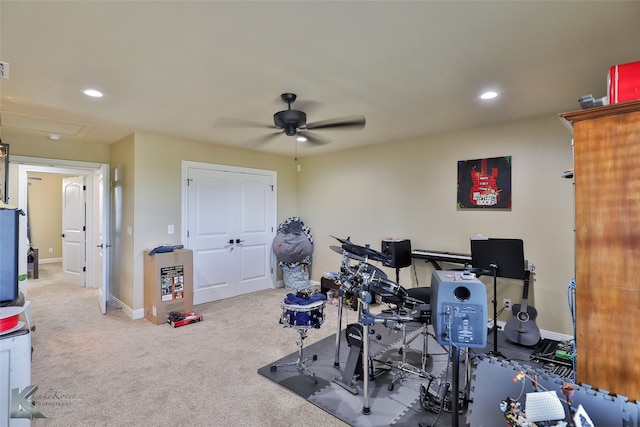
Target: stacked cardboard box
[(168, 284)]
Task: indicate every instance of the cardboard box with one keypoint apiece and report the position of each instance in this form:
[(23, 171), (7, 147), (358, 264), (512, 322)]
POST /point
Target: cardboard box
[(168, 284), (623, 82)]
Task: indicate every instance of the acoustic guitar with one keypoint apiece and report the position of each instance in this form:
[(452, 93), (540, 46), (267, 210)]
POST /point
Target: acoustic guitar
[(521, 329)]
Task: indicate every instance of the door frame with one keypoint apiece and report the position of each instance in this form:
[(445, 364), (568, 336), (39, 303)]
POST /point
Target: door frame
[(66, 167), (186, 164)]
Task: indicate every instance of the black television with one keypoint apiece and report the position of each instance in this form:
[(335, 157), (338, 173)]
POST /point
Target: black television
[(8, 256)]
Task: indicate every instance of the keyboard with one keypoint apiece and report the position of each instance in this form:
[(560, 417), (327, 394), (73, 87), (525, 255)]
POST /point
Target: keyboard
[(451, 257)]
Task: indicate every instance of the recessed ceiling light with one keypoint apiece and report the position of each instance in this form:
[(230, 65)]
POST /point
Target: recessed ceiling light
[(489, 95), (93, 93), (54, 137)]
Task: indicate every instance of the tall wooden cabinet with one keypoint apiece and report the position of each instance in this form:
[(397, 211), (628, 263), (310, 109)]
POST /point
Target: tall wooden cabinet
[(607, 209)]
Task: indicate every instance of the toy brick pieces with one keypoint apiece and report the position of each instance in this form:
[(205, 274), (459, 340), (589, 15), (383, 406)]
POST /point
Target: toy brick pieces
[(176, 319)]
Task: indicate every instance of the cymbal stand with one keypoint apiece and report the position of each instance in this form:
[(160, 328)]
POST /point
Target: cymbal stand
[(336, 362), (366, 320), (345, 285)]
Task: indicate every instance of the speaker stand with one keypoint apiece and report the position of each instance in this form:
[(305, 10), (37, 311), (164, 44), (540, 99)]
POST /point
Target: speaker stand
[(495, 352)]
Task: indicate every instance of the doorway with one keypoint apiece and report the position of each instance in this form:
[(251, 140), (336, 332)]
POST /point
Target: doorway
[(97, 214), (56, 221)]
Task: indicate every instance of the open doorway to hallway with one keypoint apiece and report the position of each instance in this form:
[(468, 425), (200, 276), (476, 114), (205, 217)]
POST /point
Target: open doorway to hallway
[(48, 216), (90, 188)]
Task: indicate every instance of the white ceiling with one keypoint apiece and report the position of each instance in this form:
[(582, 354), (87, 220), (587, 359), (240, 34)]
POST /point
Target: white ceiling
[(411, 68)]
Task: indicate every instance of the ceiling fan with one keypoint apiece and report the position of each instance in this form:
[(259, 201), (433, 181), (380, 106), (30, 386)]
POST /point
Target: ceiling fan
[(294, 123)]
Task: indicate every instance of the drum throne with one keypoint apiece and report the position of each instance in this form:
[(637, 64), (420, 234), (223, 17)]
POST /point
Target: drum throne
[(302, 314)]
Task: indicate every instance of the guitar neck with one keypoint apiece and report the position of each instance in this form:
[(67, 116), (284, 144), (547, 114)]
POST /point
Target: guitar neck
[(525, 289)]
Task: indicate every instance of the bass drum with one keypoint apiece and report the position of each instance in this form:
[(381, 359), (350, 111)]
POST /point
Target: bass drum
[(389, 291)]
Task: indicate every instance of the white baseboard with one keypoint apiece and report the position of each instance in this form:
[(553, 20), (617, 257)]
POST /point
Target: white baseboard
[(280, 283), (49, 260), (131, 313)]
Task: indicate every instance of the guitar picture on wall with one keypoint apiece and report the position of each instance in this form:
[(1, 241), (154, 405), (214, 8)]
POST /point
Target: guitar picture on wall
[(521, 329)]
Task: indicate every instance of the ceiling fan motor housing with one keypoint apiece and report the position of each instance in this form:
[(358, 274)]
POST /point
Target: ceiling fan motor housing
[(290, 121)]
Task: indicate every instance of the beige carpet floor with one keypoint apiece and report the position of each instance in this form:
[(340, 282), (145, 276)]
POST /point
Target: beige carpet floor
[(108, 370)]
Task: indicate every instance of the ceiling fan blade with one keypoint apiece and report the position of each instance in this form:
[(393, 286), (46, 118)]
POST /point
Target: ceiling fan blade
[(353, 122), (314, 138), (264, 139), (231, 122)]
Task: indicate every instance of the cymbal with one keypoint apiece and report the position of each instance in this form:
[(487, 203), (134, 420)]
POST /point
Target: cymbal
[(369, 253), (343, 241), (366, 252), (372, 269), (346, 253)]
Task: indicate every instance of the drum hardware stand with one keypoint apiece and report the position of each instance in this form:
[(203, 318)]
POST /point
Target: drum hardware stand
[(336, 362), (366, 320), (442, 398), (405, 368), (353, 368), (301, 364), (341, 295)]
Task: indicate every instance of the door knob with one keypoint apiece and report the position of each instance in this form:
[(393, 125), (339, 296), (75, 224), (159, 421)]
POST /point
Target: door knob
[(100, 246)]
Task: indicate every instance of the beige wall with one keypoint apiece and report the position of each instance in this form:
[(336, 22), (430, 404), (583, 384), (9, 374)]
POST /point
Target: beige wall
[(405, 189), (122, 215), (408, 190), (64, 149), (157, 190)]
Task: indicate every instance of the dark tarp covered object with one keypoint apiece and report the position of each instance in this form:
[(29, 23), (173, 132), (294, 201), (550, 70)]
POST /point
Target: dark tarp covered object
[(293, 247)]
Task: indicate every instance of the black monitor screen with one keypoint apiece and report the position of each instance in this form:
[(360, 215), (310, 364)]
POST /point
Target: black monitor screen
[(506, 254)]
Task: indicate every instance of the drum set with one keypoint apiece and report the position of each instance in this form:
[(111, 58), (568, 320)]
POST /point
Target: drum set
[(364, 283), (367, 283)]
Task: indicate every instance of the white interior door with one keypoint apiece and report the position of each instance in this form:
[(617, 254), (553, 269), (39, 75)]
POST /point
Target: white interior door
[(230, 227), (101, 201), (73, 230)]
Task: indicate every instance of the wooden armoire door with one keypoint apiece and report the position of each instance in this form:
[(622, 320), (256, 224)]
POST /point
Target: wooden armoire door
[(607, 198)]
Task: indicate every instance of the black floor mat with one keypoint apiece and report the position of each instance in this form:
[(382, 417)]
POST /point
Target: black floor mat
[(400, 406)]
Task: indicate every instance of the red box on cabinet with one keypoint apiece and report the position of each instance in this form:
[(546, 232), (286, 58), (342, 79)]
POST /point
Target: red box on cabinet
[(623, 82)]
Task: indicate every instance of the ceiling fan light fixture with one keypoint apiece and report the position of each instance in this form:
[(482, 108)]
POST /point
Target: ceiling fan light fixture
[(301, 138)]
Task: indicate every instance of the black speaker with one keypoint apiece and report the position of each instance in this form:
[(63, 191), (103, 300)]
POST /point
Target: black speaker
[(399, 252)]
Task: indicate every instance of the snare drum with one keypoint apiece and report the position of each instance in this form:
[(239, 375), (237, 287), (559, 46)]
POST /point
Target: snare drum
[(390, 292), (303, 316)]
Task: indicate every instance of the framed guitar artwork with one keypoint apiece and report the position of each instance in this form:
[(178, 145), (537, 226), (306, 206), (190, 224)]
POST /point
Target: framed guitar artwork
[(521, 329), (484, 183)]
